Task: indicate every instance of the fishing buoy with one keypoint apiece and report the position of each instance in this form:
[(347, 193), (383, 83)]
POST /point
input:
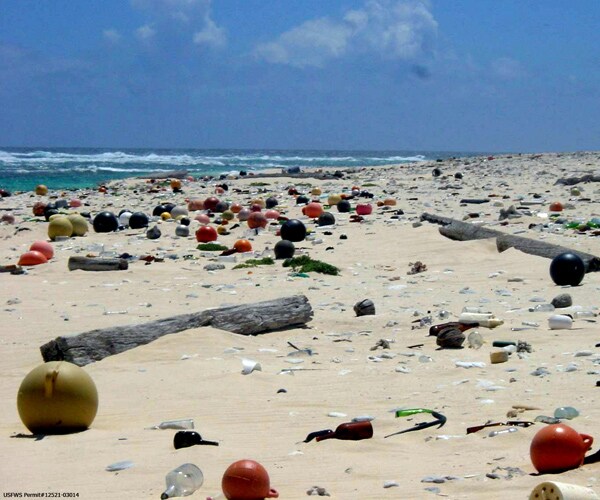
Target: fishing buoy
[(159, 209), (206, 234), (44, 248), (41, 190), (272, 214), (343, 206), (326, 219), (79, 223), (138, 220), (256, 220), (235, 208), (175, 184), (567, 269), (284, 249), (293, 230), (211, 203), (271, 202), (182, 231), (247, 480), (178, 211), (32, 258), (61, 226), (556, 206), (313, 210), (105, 222), (558, 447), (364, 209), (242, 246), (202, 218), (333, 199), (57, 397), (227, 215), (221, 207)]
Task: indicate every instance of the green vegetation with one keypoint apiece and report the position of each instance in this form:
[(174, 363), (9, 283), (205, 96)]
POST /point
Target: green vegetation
[(259, 184), (266, 261), (212, 247), (369, 184), (305, 264)]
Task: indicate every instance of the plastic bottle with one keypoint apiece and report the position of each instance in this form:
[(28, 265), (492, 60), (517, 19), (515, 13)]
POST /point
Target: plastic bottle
[(503, 431), (351, 431), (183, 481), (486, 320)]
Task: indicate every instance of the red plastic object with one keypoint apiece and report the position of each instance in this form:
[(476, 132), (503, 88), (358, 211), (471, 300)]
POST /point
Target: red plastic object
[(256, 220), (206, 234), (44, 248), (558, 447), (364, 209), (211, 203), (32, 258), (313, 210), (247, 480), (556, 206)]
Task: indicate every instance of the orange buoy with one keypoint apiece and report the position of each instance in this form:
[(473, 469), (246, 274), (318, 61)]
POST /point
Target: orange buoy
[(235, 207), (175, 184), (32, 258), (247, 480), (242, 246), (44, 248), (313, 210)]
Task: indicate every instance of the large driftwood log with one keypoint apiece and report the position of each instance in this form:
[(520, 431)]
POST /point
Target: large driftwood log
[(245, 319), (463, 231), (571, 181), (96, 264), (544, 249)]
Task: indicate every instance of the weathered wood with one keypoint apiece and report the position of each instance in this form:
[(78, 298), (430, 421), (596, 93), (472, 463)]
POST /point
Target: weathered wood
[(245, 319), (463, 231), (96, 264), (544, 249), (571, 181)]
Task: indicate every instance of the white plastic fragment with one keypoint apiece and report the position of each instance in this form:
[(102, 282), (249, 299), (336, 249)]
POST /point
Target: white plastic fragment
[(248, 366)]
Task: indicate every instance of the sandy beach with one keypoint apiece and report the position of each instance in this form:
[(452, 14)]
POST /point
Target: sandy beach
[(196, 374)]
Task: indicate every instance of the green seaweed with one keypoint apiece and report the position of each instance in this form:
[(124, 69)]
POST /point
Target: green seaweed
[(259, 184), (265, 261), (212, 247), (305, 264)]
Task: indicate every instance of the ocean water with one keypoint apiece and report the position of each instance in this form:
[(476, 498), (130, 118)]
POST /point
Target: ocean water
[(21, 169)]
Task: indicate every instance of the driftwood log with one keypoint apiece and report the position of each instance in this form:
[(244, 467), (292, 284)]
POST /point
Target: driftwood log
[(463, 231), (246, 319), (96, 264), (571, 181)]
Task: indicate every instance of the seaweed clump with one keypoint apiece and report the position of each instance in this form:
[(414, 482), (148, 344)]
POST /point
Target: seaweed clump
[(305, 264), (266, 261), (212, 247)]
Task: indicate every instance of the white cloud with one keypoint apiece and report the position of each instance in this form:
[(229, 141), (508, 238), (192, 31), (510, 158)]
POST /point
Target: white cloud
[(507, 68), (145, 32), (396, 29), (211, 34), (111, 35)]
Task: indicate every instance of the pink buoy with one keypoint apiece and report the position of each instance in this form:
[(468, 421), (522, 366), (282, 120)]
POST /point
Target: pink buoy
[(272, 214), (44, 248), (202, 218), (8, 218), (364, 209), (75, 202)]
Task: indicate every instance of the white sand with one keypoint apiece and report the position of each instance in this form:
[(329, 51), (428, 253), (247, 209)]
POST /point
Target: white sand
[(149, 384)]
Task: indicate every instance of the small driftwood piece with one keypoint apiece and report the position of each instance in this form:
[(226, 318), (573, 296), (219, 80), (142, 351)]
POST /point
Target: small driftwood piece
[(463, 231), (246, 319), (571, 181), (96, 264)]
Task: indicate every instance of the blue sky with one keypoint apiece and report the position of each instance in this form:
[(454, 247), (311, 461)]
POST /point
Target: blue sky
[(453, 75)]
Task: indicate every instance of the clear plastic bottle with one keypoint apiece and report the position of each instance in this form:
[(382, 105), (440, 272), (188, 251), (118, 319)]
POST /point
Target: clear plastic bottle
[(183, 481)]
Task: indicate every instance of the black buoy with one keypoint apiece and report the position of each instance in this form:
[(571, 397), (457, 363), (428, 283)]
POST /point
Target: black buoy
[(458, 175), (105, 222), (169, 207), (284, 249), (271, 202), (343, 206), (293, 230), (49, 211), (567, 269), (436, 172), (138, 220), (302, 200), (184, 221), (159, 209), (221, 207), (326, 219)]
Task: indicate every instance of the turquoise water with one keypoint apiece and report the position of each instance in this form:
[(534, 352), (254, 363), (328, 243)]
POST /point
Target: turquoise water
[(21, 169)]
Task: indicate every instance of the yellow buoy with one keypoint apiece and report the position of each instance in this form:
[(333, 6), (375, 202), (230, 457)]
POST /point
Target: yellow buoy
[(41, 190), (334, 199), (60, 226), (79, 223), (57, 397)]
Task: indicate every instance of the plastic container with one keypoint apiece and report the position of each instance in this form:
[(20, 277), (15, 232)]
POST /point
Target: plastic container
[(560, 322), (487, 320), (552, 490), (183, 481)]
